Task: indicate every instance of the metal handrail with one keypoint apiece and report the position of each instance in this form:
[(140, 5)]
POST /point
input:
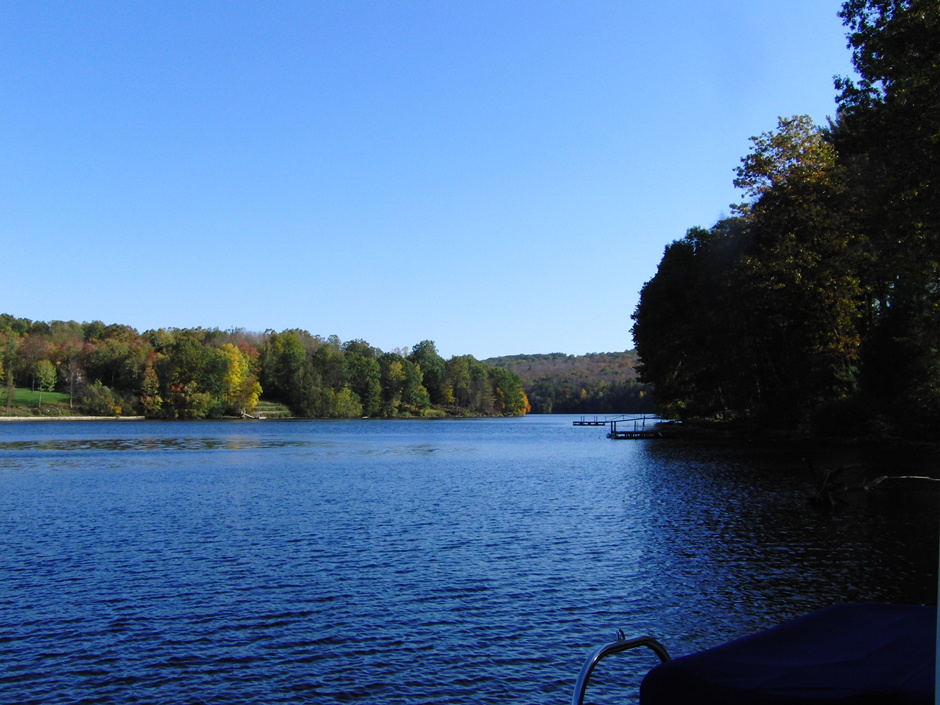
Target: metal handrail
[(603, 651)]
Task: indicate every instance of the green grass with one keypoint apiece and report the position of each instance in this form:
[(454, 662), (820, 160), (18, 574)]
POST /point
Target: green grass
[(271, 410), (25, 402)]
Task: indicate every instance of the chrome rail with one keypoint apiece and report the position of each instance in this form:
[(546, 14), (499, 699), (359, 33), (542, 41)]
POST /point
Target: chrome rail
[(616, 647)]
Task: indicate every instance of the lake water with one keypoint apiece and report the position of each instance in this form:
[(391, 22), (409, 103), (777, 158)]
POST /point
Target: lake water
[(472, 561)]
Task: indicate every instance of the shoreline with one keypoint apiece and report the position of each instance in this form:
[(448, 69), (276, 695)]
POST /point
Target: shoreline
[(699, 430), (4, 419)]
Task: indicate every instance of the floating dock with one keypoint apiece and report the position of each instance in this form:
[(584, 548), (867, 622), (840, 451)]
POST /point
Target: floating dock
[(639, 427), (640, 430)]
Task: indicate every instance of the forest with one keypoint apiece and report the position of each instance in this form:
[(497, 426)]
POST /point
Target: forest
[(817, 303), (596, 383), (196, 373)]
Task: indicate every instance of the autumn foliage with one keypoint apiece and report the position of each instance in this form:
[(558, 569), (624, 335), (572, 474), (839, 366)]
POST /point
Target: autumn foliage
[(208, 373)]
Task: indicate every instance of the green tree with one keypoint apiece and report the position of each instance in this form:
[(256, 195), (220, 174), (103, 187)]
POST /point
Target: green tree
[(45, 377), (65, 330), (285, 370), (68, 356), (18, 326), (457, 380), (759, 315), (9, 347), (34, 347), (117, 360), (425, 355), (684, 314), (329, 365), (795, 153), (481, 391), (414, 395), (509, 397), (365, 380), (344, 404), (359, 347), (798, 280), (193, 376), (151, 398), (393, 379), (93, 331), (99, 400), (888, 138)]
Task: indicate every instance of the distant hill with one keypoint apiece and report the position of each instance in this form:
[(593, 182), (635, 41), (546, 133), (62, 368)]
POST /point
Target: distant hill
[(597, 383)]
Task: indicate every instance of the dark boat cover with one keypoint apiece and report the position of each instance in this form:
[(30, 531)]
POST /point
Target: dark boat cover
[(861, 654)]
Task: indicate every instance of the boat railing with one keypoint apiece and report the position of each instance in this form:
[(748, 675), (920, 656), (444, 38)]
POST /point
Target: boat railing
[(861, 652), (601, 652)]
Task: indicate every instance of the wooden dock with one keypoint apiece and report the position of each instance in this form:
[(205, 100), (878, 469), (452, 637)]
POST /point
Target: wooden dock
[(639, 427), (628, 435), (595, 422), (640, 430)]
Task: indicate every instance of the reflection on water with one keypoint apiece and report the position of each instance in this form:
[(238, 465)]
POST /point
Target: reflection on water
[(150, 444), (465, 562), (32, 447)]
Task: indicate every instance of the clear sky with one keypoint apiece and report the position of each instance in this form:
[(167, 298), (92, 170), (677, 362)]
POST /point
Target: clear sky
[(498, 176)]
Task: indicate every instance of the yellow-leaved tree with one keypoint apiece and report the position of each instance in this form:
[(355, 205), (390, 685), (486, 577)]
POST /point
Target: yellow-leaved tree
[(240, 386)]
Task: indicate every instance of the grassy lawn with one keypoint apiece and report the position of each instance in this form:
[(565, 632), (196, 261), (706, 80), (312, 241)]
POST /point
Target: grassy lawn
[(26, 403)]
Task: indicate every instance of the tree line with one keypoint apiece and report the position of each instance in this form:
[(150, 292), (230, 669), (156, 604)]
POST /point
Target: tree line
[(197, 373), (818, 301), (596, 383)]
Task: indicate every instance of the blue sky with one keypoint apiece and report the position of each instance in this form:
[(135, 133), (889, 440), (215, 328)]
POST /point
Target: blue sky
[(500, 177)]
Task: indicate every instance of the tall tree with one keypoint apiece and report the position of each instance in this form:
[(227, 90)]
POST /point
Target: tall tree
[(68, 357), (239, 386), (9, 346), (798, 278), (284, 368), (758, 315), (35, 347), (45, 377), (508, 395), (414, 394), (888, 136), (426, 356), (684, 314), (365, 380), (393, 378)]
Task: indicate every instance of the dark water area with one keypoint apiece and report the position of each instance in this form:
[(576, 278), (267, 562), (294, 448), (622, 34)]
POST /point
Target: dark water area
[(472, 561)]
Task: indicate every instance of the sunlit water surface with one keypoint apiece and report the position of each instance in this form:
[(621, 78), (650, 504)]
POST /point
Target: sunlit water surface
[(410, 562)]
